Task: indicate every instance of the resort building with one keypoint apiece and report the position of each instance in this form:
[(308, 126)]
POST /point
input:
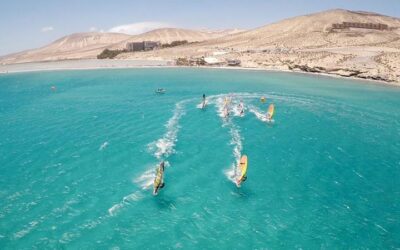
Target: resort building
[(347, 25), (142, 46)]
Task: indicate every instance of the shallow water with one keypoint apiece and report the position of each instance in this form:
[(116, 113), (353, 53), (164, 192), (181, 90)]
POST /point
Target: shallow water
[(77, 163)]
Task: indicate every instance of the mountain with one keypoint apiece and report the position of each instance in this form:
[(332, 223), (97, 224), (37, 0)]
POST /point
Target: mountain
[(75, 46), (307, 43), (168, 35), (315, 30), (89, 45)]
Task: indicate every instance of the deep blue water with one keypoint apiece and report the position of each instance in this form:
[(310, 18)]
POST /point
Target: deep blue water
[(77, 164)]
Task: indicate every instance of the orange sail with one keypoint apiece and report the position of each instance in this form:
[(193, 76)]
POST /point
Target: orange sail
[(270, 111)]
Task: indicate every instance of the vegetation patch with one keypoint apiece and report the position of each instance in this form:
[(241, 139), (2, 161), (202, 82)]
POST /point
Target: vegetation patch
[(108, 53), (174, 44)]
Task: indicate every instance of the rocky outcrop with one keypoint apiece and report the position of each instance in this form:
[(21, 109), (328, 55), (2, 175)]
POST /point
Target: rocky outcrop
[(343, 72)]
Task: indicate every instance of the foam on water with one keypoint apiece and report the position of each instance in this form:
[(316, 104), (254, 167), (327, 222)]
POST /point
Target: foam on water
[(258, 113), (222, 109), (200, 105), (236, 142), (236, 139), (145, 180), (165, 145), (126, 200), (26, 230), (103, 146), (237, 108)]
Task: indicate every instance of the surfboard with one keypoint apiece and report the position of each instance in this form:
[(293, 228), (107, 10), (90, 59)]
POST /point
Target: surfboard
[(242, 170), (270, 112), (158, 180)]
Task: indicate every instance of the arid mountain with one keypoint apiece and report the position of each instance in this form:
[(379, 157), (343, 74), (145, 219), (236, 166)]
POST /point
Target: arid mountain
[(315, 30), (168, 35), (89, 45), (75, 46), (309, 43)]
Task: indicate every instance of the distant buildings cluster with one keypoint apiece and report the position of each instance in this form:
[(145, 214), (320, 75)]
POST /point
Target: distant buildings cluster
[(346, 25), (206, 61), (142, 46)]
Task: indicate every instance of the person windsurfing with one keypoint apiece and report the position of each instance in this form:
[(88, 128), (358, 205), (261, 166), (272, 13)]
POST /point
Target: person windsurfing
[(241, 108), (270, 112), (159, 179), (226, 107), (242, 168)]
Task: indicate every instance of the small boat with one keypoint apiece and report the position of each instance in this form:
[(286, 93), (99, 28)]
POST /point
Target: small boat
[(160, 91)]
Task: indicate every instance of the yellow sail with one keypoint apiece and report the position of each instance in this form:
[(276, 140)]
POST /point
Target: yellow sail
[(243, 169), (270, 111), (158, 179)]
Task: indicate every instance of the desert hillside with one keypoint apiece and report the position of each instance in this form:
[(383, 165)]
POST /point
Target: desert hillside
[(75, 46), (89, 45), (168, 35), (308, 43), (315, 30)]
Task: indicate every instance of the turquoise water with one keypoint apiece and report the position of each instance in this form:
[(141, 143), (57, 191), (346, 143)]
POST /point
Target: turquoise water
[(76, 164)]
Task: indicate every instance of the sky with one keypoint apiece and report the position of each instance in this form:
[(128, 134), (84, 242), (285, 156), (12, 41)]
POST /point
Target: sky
[(27, 24)]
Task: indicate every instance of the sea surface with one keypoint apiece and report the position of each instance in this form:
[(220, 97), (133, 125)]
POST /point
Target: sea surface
[(78, 152)]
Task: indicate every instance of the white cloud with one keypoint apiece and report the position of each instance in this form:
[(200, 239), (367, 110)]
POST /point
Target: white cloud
[(47, 29), (139, 28), (93, 29)]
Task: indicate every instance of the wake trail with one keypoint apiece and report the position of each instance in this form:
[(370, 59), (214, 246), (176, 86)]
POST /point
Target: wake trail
[(126, 200), (236, 141), (164, 147), (234, 131), (260, 115), (161, 149)]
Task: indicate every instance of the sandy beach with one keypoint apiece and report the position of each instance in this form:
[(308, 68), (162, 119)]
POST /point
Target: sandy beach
[(80, 65), (92, 64)]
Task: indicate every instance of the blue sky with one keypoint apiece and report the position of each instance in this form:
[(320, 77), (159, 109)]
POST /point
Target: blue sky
[(31, 24)]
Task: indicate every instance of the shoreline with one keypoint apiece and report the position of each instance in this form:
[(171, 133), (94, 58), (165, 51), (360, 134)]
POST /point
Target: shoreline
[(95, 64)]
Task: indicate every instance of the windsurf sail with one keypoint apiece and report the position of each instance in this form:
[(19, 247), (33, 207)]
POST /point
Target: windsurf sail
[(270, 112), (158, 180), (242, 168)]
